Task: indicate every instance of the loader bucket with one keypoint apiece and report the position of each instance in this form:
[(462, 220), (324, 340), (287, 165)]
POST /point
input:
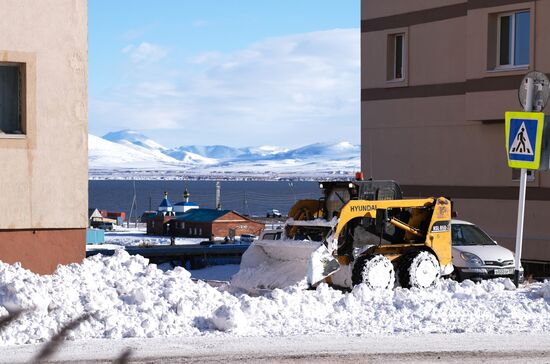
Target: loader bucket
[(269, 264)]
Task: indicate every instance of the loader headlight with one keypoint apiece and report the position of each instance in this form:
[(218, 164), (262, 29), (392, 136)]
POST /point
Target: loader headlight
[(320, 185), (471, 259)]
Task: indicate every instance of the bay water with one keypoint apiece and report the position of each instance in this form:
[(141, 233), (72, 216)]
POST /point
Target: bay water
[(253, 198)]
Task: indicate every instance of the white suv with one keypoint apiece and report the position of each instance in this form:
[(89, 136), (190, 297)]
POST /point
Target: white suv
[(273, 213), (247, 238), (476, 256)]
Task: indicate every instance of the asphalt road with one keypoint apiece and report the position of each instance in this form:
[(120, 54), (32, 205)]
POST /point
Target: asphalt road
[(444, 348)]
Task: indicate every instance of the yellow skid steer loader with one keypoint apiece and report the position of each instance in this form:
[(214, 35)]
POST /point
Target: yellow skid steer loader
[(358, 232)]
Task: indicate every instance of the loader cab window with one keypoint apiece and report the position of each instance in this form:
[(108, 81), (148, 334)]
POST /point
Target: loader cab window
[(312, 233), (336, 199), (272, 236)]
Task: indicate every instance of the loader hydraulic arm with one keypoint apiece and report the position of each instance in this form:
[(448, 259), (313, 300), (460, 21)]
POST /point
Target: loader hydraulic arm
[(401, 225), (363, 208)]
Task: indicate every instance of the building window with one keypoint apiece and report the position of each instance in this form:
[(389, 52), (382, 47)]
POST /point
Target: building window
[(513, 39), (516, 175), (396, 57), (11, 98), (200, 231)]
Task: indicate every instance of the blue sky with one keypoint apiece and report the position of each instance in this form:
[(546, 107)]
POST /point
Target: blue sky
[(234, 72)]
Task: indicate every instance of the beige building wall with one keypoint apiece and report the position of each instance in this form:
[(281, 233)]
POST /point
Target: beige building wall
[(440, 130), (44, 178)]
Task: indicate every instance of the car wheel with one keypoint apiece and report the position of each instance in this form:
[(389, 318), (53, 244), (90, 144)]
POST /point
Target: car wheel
[(455, 276)]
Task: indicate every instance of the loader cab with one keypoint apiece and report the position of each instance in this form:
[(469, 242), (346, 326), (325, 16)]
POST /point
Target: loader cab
[(337, 193), (310, 233)]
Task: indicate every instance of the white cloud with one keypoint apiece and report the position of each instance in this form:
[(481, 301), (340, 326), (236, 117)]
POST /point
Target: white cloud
[(145, 52), (285, 90)]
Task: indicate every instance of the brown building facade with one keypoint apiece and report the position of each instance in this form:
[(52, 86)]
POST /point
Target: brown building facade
[(159, 225), (43, 132), (203, 223), (436, 79)]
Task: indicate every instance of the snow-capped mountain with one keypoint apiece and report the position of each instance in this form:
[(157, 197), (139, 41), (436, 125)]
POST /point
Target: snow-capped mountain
[(338, 151), (140, 142), (104, 154), (129, 149), (223, 152), (133, 137), (209, 151)]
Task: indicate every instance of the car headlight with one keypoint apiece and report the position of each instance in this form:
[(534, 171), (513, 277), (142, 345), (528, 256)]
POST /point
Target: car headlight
[(471, 259)]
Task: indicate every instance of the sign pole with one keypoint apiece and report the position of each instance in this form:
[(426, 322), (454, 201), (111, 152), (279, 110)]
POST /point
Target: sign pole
[(530, 85), (519, 232)]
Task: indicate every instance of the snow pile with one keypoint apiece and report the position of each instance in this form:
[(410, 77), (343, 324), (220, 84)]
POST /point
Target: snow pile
[(227, 318), (126, 296), (129, 298), (544, 290)]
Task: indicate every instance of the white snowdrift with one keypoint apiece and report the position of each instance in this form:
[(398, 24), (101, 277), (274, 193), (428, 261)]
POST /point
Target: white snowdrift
[(129, 298)]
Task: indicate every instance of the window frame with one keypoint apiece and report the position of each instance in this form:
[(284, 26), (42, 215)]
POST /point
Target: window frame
[(512, 41), (21, 98), (391, 56), (395, 36), (27, 140), (531, 175)]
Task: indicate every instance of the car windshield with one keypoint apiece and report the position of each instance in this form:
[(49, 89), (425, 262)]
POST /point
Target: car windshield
[(469, 235), (313, 233)]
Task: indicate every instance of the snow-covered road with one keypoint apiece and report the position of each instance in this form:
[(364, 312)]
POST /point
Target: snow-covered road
[(446, 348)]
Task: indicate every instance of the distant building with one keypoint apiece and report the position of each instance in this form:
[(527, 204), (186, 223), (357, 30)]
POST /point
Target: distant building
[(148, 215), (94, 215), (182, 207), (119, 216), (204, 223), (43, 132), (159, 223), (165, 206)]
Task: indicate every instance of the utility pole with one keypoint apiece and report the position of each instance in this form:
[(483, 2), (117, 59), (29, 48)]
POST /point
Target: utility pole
[(134, 206), (218, 196), (245, 205), (291, 185)]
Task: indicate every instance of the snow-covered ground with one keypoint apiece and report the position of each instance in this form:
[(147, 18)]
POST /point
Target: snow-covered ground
[(122, 237), (215, 273), (129, 298)]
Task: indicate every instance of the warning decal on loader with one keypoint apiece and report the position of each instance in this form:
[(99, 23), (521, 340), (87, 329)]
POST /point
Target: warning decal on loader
[(523, 139), (441, 226)]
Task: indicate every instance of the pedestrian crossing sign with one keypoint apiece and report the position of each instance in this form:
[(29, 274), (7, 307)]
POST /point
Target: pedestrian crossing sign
[(524, 139)]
